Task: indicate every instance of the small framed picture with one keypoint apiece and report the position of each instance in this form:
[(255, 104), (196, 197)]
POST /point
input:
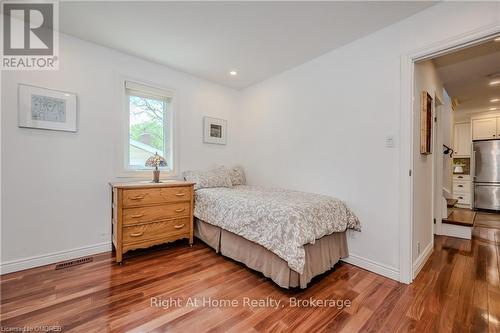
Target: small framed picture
[(214, 130), (46, 109), (425, 123)]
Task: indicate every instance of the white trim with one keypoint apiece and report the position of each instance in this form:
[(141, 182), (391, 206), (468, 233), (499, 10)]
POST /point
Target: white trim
[(457, 231), (406, 133), (405, 166), (50, 258), (373, 266), (422, 259)]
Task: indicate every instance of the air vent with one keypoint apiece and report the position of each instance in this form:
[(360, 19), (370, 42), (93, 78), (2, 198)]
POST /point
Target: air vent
[(75, 262)]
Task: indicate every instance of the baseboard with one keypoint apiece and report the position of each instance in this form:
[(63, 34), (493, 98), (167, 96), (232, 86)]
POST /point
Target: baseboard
[(422, 259), (50, 258), (373, 266)]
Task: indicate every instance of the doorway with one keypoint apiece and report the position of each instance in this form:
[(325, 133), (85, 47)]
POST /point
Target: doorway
[(413, 252)]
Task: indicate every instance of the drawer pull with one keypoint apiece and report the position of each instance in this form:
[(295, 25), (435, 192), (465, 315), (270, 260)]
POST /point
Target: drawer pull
[(460, 186), (180, 210), (179, 226), (137, 197), (136, 234), (460, 177), (460, 197), (136, 216), (180, 194)]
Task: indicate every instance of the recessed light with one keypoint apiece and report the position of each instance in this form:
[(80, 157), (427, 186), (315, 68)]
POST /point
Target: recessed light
[(494, 82), (492, 109), (497, 39), (494, 100), (233, 73)]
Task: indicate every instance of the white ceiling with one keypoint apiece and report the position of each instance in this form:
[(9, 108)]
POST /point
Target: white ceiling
[(208, 39), (465, 75)]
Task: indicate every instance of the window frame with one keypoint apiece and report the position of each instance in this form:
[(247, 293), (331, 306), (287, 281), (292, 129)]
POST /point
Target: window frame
[(137, 88)]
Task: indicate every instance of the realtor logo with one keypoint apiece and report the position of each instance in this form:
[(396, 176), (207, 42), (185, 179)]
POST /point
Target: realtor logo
[(30, 39)]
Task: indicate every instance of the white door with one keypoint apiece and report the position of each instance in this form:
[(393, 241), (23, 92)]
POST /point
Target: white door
[(462, 141), (483, 129)]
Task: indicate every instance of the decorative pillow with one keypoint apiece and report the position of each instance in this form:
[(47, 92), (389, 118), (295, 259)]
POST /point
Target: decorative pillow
[(237, 176), (218, 177)]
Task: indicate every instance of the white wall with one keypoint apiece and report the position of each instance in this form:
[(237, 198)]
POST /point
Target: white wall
[(320, 127), (55, 184)]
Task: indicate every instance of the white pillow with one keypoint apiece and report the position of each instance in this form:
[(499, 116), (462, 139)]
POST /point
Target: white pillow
[(237, 176), (218, 177)]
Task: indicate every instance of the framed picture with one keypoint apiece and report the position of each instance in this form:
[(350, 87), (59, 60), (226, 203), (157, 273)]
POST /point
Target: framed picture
[(46, 109), (425, 123), (214, 130)]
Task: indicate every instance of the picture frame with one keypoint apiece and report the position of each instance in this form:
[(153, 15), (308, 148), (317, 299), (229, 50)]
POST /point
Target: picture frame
[(425, 123), (214, 130), (47, 109)]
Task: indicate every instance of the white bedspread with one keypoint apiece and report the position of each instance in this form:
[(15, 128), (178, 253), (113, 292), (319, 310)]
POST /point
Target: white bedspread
[(282, 221)]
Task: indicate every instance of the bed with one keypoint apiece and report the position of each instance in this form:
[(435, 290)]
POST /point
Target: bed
[(288, 236)]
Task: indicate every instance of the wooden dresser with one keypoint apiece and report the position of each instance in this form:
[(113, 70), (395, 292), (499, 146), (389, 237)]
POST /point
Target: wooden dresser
[(146, 214)]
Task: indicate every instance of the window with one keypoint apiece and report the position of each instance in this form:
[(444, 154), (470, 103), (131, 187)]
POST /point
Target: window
[(149, 129)]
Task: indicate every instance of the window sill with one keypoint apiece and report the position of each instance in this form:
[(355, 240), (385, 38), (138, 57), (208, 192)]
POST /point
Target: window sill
[(147, 174)]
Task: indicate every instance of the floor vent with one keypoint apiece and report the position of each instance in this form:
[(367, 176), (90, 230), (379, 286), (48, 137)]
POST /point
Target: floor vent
[(75, 262)]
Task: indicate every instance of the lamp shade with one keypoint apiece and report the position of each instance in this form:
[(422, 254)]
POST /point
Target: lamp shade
[(156, 161)]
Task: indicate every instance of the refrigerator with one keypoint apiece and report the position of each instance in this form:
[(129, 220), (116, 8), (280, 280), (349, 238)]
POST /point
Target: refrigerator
[(486, 174)]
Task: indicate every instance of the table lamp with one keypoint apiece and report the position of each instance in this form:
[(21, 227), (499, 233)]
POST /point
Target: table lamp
[(156, 161)]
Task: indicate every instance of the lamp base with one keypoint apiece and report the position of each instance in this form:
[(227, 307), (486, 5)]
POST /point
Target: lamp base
[(156, 176)]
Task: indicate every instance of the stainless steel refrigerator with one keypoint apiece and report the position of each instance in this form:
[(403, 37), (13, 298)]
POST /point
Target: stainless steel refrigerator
[(486, 174)]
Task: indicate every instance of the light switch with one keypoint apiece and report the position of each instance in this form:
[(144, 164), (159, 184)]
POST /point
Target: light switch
[(389, 141)]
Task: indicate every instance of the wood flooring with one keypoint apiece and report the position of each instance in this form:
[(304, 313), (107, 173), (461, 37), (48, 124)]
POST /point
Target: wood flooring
[(458, 290), (460, 216)]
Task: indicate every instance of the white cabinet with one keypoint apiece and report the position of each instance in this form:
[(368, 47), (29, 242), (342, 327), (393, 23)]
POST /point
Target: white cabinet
[(485, 128), (462, 190), (461, 140)]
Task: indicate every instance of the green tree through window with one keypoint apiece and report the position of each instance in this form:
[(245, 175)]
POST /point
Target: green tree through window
[(147, 134)]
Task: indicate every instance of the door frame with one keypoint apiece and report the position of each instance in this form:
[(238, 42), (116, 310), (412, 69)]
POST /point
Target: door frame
[(437, 168), (406, 134)]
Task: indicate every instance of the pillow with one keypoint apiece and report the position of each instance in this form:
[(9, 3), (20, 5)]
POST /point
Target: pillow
[(237, 176), (218, 177)]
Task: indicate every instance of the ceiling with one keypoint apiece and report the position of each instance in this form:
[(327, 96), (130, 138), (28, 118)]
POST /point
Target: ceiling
[(465, 75), (209, 39)]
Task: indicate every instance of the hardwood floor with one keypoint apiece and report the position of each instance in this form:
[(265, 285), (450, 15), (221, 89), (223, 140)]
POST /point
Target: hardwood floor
[(458, 290), (461, 216)]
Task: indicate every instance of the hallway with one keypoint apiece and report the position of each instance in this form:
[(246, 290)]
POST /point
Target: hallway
[(459, 287)]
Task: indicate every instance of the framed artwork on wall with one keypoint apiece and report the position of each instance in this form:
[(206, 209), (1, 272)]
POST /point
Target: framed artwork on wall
[(214, 130), (425, 123), (48, 109)]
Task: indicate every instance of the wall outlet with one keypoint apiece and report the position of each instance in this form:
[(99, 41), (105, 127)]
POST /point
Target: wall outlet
[(418, 248)]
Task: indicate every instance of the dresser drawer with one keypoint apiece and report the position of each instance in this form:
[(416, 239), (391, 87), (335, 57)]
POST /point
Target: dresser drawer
[(463, 199), (166, 230), (461, 177), (461, 187), (155, 213), (138, 197)]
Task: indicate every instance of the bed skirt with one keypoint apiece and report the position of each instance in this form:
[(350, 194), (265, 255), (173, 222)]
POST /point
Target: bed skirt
[(320, 256)]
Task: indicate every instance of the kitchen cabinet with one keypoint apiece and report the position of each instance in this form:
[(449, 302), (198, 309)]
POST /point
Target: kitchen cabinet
[(462, 190), (485, 128), (461, 140)]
